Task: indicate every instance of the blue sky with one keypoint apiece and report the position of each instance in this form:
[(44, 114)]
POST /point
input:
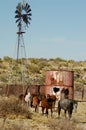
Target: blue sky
[(57, 29)]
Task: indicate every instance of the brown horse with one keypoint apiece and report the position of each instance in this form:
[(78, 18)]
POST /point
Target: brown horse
[(53, 97), (47, 103), (35, 102)]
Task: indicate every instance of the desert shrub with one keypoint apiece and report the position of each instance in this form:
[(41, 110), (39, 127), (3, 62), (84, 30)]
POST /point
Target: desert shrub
[(10, 106), (7, 59)]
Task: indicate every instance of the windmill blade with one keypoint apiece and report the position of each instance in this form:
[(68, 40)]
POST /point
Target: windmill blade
[(18, 20), (29, 10), (17, 12), (25, 19), (27, 6), (19, 24), (17, 16), (28, 22), (19, 7), (29, 18), (29, 14)]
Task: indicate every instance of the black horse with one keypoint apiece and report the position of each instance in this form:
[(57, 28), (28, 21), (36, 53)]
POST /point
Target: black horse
[(66, 105)]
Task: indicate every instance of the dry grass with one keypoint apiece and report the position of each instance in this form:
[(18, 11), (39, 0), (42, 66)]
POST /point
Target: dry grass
[(10, 107), (77, 122), (16, 114)]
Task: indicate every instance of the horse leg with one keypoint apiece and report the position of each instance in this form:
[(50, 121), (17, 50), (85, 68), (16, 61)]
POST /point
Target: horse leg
[(59, 110), (27, 104), (70, 113), (43, 110), (36, 108), (47, 112), (65, 113), (31, 103), (51, 112)]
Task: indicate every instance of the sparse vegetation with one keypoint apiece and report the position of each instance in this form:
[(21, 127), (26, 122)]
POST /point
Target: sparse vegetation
[(34, 67), (10, 108), (14, 116)]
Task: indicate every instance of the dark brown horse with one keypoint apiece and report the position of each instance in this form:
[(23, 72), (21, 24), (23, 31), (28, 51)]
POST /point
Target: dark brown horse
[(53, 97), (48, 103)]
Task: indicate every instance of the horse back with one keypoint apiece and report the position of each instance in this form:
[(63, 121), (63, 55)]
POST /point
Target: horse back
[(35, 101), (65, 104)]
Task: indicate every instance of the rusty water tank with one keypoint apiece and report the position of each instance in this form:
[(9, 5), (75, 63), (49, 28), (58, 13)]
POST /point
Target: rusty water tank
[(37, 89), (61, 79)]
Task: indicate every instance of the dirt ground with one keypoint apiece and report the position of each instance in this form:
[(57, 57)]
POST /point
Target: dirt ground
[(16, 117)]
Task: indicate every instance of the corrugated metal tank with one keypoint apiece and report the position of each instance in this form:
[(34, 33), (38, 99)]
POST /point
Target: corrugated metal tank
[(19, 89), (37, 89), (60, 78), (15, 89)]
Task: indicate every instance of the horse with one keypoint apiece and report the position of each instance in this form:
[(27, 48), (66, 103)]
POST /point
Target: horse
[(64, 93), (25, 97), (53, 97), (75, 105), (61, 92), (35, 102), (47, 103), (66, 105)]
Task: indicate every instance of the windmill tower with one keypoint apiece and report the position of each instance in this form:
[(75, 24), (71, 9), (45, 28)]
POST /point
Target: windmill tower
[(23, 17)]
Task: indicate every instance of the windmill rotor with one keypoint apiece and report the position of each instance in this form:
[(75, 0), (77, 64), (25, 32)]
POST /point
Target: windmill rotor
[(23, 14)]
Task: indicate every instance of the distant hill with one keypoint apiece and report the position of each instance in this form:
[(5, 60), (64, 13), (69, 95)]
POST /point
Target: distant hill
[(32, 70)]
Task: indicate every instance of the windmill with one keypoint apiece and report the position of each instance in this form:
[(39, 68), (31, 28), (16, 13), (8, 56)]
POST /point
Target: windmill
[(23, 18)]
